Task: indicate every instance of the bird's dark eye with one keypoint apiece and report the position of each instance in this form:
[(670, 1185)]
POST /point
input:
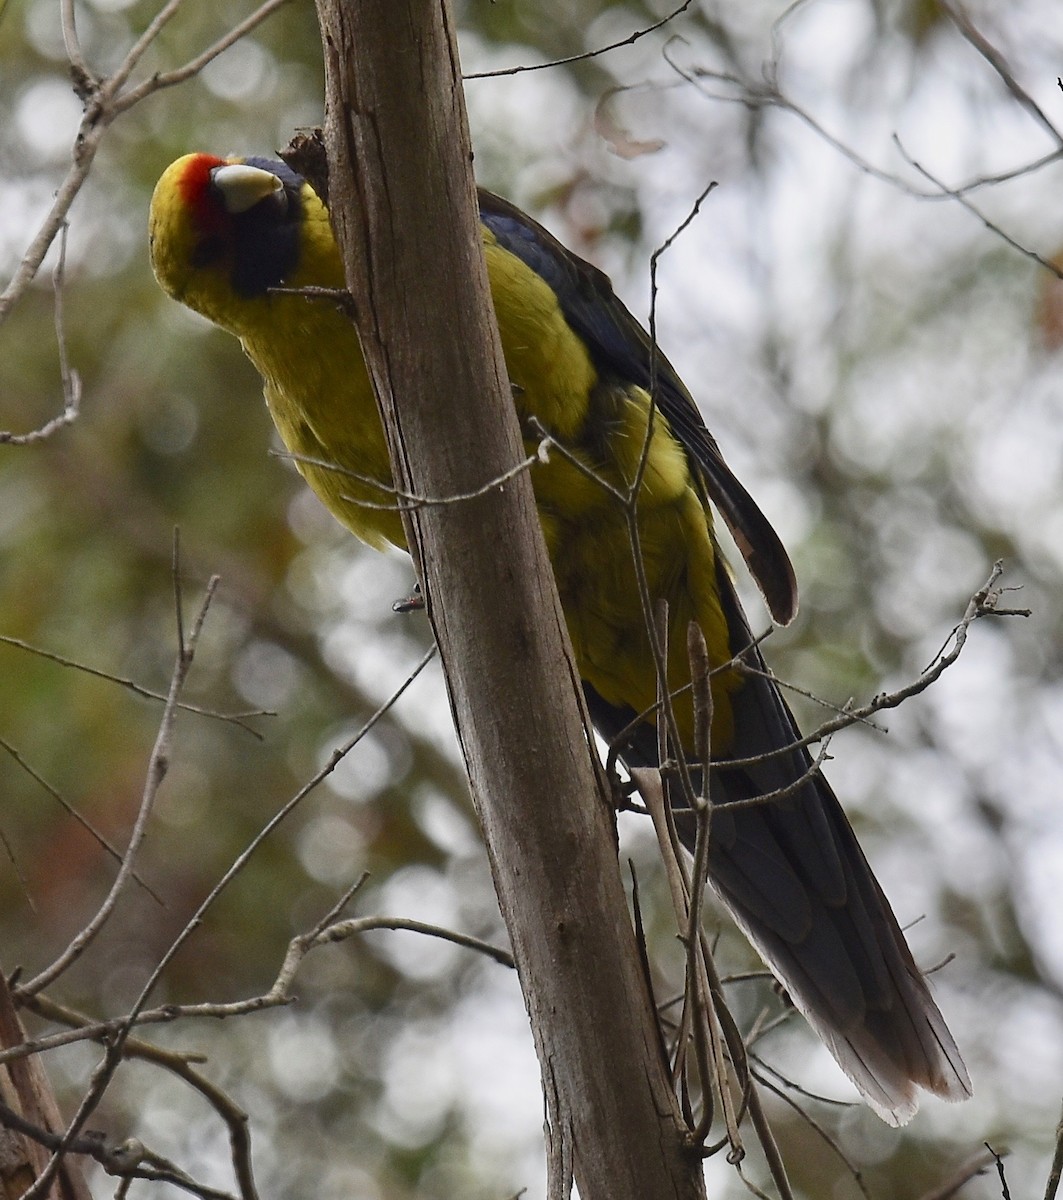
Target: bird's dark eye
[(207, 251), (278, 202)]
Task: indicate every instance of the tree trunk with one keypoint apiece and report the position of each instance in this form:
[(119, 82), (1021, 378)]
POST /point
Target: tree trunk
[(403, 207)]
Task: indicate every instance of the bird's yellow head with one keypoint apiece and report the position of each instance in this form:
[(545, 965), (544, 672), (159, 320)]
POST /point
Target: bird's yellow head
[(223, 232)]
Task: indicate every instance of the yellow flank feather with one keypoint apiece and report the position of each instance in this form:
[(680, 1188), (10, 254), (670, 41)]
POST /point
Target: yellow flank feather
[(545, 359)]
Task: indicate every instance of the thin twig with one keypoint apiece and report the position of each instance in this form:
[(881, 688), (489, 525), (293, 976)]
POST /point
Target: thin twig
[(703, 1017), (630, 40), (238, 718), (72, 811), (158, 764), (175, 576), (278, 996), (975, 1165), (658, 650), (818, 1129), (783, 1081), (104, 101), (156, 772), (105, 1070), (655, 258), (17, 868), (787, 790), (72, 45), (976, 212), (1005, 1191), (405, 501), (769, 95), (999, 64), (113, 85), (70, 379), (127, 1160), (650, 713), (342, 930), (168, 79), (698, 654), (245, 855), (984, 603)]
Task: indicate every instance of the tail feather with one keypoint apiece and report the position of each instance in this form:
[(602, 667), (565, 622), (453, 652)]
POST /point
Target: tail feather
[(793, 876)]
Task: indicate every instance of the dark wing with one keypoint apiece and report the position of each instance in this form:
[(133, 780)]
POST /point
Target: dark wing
[(793, 876), (621, 348)]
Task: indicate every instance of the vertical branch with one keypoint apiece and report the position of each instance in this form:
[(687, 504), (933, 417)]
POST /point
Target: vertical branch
[(402, 205)]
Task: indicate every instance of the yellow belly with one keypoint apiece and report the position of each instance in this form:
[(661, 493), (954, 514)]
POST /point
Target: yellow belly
[(320, 398)]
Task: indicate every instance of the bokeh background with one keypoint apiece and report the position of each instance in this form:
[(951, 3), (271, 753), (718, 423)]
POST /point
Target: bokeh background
[(878, 358)]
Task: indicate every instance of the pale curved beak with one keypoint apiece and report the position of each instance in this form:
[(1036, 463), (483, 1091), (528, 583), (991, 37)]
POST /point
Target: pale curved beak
[(242, 187)]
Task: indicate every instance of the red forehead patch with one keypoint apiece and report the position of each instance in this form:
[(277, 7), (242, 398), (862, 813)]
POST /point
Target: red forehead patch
[(194, 186)]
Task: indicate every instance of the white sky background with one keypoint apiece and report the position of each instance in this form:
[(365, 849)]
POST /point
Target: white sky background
[(828, 261)]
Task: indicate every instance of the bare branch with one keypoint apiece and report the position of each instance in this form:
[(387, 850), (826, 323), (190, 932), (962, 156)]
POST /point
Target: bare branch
[(991, 225), (408, 502), (71, 380), (167, 79), (1005, 1191), (767, 94), (984, 603), (83, 79), (129, 1159), (975, 1165), (158, 764), (112, 86), (239, 718), (325, 932), (72, 811), (999, 64), (115, 1045), (104, 101), (564, 62), (278, 996), (342, 930), (852, 1169)]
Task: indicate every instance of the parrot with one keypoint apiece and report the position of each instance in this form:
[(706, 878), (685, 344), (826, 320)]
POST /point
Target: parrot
[(226, 233)]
